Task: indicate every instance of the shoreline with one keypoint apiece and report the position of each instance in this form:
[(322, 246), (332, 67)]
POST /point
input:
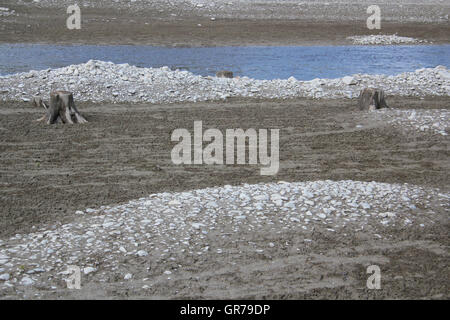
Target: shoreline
[(100, 81)]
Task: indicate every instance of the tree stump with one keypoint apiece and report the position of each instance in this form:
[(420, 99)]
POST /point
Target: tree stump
[(372, 99), (61, 109), (38, 102), (224, 74)]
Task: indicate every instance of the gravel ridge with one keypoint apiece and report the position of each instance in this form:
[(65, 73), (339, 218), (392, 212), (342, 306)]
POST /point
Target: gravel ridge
[(98, 81)]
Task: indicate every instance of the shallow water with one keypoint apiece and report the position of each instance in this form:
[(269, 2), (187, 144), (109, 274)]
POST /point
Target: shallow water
[(303, 63)]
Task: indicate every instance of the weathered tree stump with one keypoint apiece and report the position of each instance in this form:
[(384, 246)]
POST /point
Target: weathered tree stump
[(372, 99), (38, 102), (224, 74), (61, 109)]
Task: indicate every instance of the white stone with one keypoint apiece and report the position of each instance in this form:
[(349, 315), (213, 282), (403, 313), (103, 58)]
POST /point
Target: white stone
[(142, 253), (196, 225), (349, 80), (26, 281), (4, 277), (128, 276), (89, 270)]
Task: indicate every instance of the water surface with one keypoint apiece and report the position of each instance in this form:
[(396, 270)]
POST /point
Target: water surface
[(303, 63)]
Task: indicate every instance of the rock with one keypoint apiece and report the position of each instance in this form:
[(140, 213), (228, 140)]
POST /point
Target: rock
[(107, 225), (3, 259), (4, 277), (444, 74), (128, 276), (89, 270), (197, 225), (308, 194), (349, 80), (262, 197), (142, 253), (35, 270), (174, 203), (365, 205), (26, 281)]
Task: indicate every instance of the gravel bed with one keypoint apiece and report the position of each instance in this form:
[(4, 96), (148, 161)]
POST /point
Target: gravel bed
[(98, 81), (165, 230), (384, 40), (5, 12), (431, 121)]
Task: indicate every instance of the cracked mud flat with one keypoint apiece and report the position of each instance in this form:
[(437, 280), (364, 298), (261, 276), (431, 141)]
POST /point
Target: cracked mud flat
[(303, 239)]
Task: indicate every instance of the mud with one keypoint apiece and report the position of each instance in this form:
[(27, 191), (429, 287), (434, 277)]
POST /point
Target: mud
[(151, 27), (49, 172)]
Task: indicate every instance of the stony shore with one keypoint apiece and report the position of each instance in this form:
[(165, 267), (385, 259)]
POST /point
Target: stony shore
[(98, 81), (158, 235), (384, 40)]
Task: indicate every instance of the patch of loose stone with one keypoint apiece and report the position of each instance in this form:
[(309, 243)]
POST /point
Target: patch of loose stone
[(384, 40), (156, 235), (5, 12), (317, 10), (99, 81), (431, 121)]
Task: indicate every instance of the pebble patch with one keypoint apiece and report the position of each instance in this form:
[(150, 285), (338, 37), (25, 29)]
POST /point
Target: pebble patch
[(430, 121), (169, 227), (384, 40), (99, 81)]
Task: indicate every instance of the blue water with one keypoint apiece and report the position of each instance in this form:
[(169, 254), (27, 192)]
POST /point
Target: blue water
[(304, 63)]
